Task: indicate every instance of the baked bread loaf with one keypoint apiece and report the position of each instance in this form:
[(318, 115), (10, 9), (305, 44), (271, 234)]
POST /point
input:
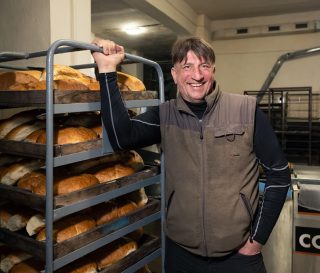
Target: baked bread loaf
[(36, 183), (14, 218), (10, 257), (22, 131), (82, 265), (28, 266), (69, 227), (69, 135), (128, 82), (114, 252), (35, 224), (32, 138), (108, 211), (18, 80), (6, 125), (139, 197), (11, 174), (113, 172)]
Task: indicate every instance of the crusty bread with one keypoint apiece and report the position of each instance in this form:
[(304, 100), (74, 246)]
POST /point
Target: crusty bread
[(61, 84), (6, 125), (98, 130), (28, 266), (128, 82), (18, 80), (14, 218), (34, 135), (74, 183), (139, 197), (22, 131), (69, 227), (69, 135), (35, 224), (114, 252), (113, 172), (36, 183), (108, 211), (11, 174), (82, 265), (11, 258)]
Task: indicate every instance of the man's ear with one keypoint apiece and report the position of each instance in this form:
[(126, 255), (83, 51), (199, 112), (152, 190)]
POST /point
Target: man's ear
[(174, 74)]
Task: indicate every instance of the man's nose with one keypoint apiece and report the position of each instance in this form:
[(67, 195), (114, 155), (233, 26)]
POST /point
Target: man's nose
[(197, 73)]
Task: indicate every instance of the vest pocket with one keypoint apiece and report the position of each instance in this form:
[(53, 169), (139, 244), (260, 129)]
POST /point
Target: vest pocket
[(250, 212), (229, 141)]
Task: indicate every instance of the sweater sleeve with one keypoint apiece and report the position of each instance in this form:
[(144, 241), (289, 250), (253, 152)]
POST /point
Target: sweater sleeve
[(124, 132), (278, 178)]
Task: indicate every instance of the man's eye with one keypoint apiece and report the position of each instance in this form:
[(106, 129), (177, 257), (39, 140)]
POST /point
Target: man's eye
[(186, 67), (206, 66)]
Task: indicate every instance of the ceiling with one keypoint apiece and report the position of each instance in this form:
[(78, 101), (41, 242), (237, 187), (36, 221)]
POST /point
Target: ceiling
[(109, 16)]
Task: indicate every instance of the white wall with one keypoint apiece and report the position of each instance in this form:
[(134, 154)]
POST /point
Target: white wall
[(244, 64)]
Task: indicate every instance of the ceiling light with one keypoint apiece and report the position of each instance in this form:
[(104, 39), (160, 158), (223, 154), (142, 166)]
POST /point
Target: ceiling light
[(134, 30)]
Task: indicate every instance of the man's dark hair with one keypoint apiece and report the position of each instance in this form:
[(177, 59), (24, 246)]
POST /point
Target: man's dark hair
[(200, 47)]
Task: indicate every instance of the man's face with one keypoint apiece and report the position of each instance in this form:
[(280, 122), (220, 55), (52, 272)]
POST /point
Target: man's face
[(194, 77)]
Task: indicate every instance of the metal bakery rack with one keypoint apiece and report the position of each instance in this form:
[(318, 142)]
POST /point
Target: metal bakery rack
[(63, 101)]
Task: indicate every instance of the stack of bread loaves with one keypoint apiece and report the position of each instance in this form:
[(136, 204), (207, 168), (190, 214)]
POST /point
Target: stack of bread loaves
[(64, 78)]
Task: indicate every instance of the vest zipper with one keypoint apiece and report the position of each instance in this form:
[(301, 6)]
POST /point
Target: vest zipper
[(201, 131), (203, 191)]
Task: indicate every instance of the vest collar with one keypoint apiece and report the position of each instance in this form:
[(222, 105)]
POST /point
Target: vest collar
[(211, 99)]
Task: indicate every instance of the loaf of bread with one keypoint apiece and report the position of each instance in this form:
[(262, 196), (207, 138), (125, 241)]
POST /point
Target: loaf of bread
[(32, 137), (128, 82), (14, 218), (22, 131), (139, 197), (18, 80), (82, 265), (36, 183), (99, 163), (28, 266), (10, 257), (69, 135), (35, 224), (69, 227), (113, 172), (114, 252), (6, 125), (11, 174), (108, 211)]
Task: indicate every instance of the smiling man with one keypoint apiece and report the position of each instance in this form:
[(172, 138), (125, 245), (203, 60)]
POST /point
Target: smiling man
[(213, 143)]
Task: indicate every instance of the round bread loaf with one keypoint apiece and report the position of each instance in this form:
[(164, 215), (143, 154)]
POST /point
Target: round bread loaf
[(69, 227), (98, 130), (69, 135), (11, 258), (114, 252), (113, 172), (34, 182)]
